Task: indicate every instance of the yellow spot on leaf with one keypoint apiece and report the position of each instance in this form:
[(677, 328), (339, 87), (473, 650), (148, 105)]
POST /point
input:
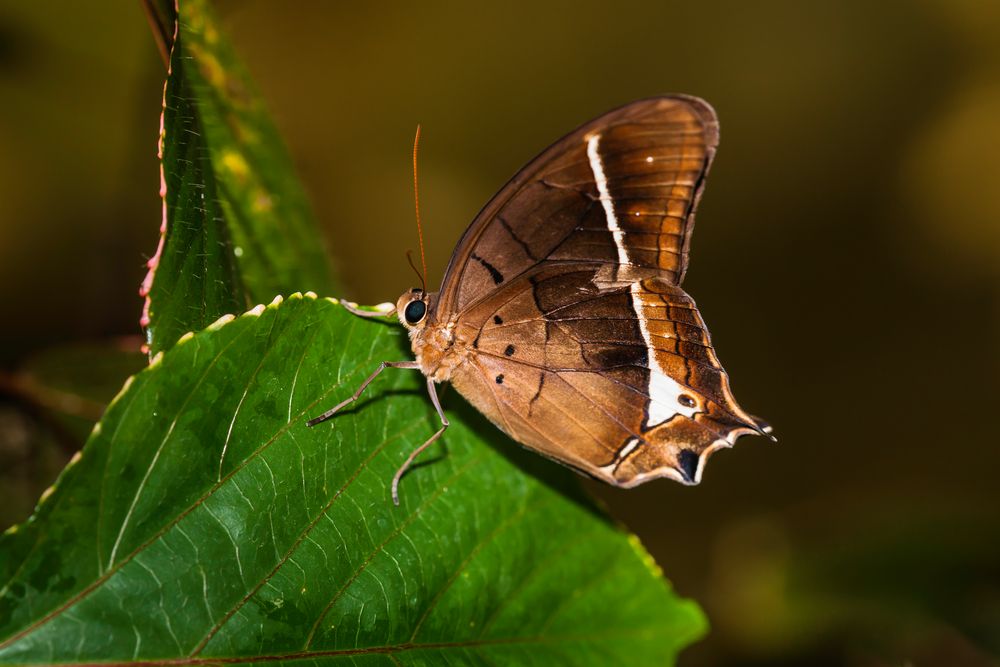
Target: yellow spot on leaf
[(262, 202), (234, 162)]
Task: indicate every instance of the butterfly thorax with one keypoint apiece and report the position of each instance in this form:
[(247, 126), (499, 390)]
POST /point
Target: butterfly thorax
[(435, 345), (438, 350)]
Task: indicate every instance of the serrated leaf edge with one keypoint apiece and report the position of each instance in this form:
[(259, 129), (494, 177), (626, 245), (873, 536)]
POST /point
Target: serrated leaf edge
[(156, 360), (154, 261)]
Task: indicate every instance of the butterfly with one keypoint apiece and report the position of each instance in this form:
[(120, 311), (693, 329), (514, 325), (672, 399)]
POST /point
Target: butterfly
[(561, 315)]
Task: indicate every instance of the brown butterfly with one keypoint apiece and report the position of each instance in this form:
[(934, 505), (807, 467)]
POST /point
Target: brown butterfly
[(561, 317)]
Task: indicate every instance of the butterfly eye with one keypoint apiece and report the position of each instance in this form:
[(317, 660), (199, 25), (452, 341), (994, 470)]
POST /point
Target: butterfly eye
[(415, 311)]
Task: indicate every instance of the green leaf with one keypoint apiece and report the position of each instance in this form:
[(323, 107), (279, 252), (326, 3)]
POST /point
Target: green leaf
[(238, 229), (204, 521)]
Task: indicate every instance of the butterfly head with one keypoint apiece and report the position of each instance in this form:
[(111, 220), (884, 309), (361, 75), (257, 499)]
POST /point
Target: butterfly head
[(413, 307)]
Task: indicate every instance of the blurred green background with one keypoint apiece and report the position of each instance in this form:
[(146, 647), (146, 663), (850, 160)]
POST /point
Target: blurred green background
[(847, 260)]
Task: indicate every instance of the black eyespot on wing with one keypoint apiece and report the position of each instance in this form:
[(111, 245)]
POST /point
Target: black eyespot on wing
[(687, 461), (497, 319), (509, 351), (686, 401), (500, 379), (415, 311)]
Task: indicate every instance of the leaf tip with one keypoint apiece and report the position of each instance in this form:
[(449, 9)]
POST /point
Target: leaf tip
[(277, 301), (256, 311), (310, 295), (156, 360), (185, 338)]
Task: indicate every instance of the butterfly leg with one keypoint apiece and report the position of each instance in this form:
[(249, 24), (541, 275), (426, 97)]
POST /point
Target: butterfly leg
[(381, 367), (432, 390)]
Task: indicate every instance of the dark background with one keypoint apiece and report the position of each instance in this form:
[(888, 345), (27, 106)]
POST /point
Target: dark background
[(846, 258)]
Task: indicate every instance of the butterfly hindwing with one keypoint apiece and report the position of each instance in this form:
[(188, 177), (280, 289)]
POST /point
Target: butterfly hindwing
[(619, 381)]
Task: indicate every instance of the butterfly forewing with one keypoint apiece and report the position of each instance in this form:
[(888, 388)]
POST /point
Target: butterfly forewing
[(640, 166)]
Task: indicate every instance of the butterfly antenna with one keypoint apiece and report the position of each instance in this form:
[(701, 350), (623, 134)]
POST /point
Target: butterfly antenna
[(409, 258), (416, 205)]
